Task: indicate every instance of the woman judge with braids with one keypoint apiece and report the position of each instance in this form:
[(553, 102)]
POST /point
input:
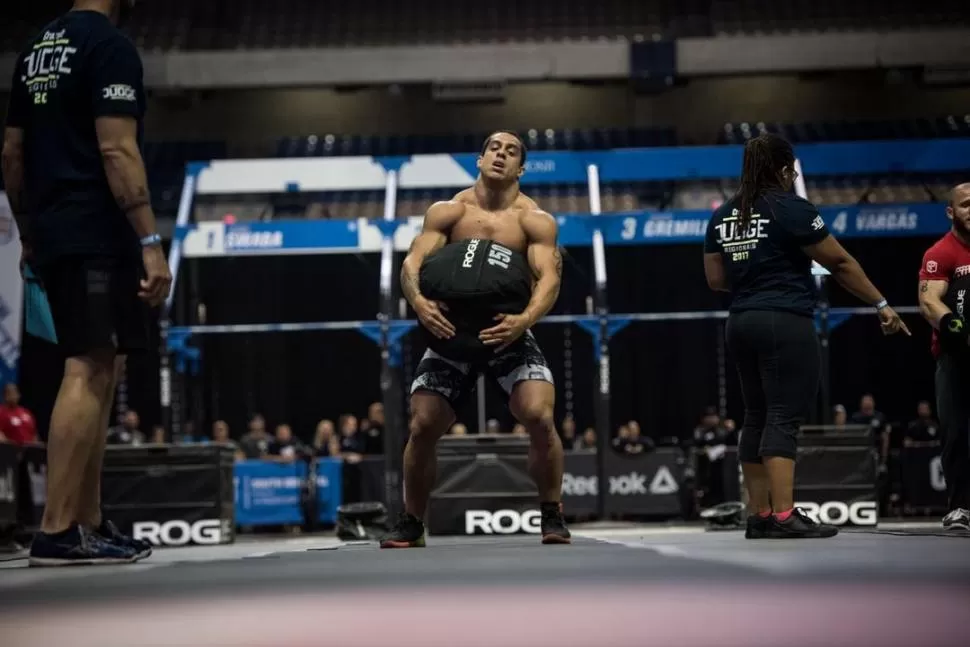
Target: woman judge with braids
[(759, 247)]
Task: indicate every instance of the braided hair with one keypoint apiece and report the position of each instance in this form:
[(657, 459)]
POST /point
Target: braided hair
[(765, 157)]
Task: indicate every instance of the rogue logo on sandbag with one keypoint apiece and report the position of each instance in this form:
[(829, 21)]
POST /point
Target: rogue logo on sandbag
[(206, 532), (837, 513), (501, 522), (470, 253)]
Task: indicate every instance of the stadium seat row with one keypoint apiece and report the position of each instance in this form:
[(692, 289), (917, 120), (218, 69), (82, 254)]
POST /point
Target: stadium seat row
[(234, 24), (615, 198), (547, 139), (949, 126)]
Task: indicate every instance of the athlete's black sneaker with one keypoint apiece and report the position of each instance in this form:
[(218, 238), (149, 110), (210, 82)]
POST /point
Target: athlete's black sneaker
[(757, 526), (110, 532), (77, 546), (553, 526), (408, 532), (798, 526)]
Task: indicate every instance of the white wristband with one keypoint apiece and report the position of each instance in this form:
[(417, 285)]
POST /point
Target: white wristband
[(151, 239), (882, 304)]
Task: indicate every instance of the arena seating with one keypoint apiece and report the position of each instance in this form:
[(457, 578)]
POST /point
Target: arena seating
[(731, 17), (536, 139), (949, 126), (165, 163), (231, 24)]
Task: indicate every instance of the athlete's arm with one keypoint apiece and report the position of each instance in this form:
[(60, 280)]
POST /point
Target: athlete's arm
[(830, 254), (13, 147), (125, 169), (714, 271), (845, 269), (13, 174), (434, 234), (713, 261), (117, 92), (931, 306), (545, 260)]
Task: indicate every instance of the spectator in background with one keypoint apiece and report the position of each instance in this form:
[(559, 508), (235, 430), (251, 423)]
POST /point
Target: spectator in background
[(220, 433), (924, 429), (158, 435), (17, 424), (588, 441), (839, 415), (493, 426), (876, 421), (351, 451), (374, 436), (619, 442), (220, 436), (637, 443), (285, 448), (187, 435), (567, 431), (128, 432), (881, 438), (351, 444), (711, 440), (519, 430), (325, 441), (710, 430), (255, 443), (458, 429)]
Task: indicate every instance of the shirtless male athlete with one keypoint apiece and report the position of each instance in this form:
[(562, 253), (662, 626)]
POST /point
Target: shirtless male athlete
[(492, 212)]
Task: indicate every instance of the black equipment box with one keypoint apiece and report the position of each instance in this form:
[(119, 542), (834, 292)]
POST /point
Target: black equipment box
[(171, 495)]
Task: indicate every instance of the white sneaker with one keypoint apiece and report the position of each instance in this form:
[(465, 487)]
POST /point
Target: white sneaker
[(958, 519)]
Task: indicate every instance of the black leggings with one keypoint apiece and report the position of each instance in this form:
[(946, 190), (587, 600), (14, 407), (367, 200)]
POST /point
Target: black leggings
[(953, 406), (777, 356)]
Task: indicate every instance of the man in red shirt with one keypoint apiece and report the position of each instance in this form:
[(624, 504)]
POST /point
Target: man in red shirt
[(945, 270), (17, 425)]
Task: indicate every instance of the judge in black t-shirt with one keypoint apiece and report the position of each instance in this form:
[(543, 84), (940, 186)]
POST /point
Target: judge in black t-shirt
[(876, 421), (373, 441), (925, 429), (76, 182), (285, 448), (759, 248)]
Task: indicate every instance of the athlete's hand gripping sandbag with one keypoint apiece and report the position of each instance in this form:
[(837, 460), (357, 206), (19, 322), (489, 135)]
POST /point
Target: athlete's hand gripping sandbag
[(955, 327), (476, 280)]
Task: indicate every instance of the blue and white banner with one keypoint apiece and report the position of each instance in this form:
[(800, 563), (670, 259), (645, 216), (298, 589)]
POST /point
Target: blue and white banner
[(309, 174), (272, 238), (575, 230), (270, 494), (673, 227), (11, 293)]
